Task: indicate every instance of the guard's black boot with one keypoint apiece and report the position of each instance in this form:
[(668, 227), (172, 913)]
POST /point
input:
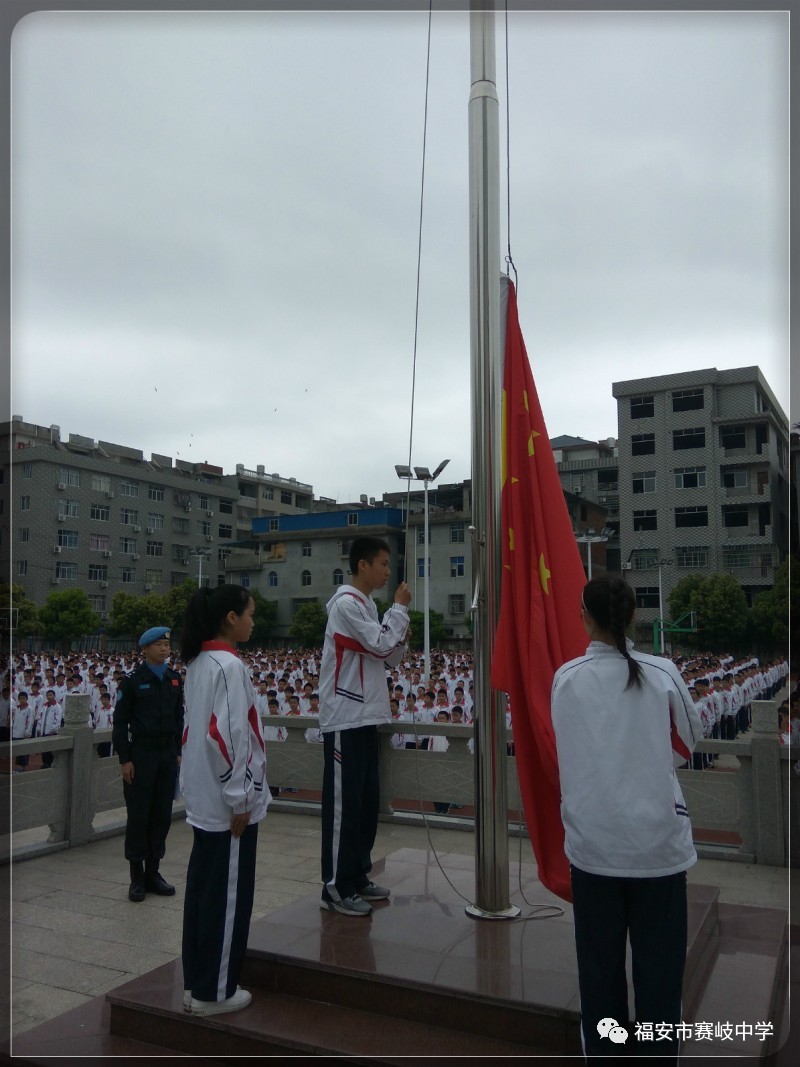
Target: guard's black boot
[(155, 883), (136, 891)]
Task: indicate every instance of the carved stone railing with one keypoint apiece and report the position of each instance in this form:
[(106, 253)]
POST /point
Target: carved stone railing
[(753, 801)]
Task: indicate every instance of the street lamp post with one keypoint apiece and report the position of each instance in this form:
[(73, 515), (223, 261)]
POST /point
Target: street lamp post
[(422, 474), (662, 643), (590, 538), (200, 553)]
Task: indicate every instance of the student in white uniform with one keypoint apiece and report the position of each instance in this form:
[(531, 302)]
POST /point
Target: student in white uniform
[(623, 723)]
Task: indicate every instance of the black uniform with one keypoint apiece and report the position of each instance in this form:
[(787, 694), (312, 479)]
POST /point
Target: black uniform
[(148, 723)]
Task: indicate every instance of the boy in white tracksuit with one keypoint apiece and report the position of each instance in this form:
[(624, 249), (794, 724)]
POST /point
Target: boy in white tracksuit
[(354, 701)]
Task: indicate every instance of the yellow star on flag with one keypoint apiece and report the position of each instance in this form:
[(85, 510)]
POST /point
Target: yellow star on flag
[(530, 441), (544, 574)]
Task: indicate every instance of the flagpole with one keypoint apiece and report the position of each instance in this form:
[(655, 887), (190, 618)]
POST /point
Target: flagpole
[(491, 784)]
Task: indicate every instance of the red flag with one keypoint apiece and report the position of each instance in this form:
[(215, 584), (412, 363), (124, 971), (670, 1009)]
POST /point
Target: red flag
[(540, 625)]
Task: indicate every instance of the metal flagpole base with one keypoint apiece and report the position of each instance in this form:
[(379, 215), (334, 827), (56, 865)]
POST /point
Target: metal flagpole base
[(475, 912)]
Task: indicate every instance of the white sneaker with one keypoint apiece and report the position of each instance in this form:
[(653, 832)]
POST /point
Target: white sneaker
[(240, 999)]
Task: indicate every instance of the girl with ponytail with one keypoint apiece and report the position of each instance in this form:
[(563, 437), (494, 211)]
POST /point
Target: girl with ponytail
[(223, 778), (624, 722)]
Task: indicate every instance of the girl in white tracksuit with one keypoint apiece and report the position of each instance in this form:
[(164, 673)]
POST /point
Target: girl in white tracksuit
[(224, 782), (623, 723)]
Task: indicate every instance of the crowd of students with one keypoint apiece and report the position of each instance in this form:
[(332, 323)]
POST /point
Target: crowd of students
[(286, 683)]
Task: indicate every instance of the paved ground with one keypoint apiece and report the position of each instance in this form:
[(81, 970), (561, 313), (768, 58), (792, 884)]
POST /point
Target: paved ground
[(75, 935)]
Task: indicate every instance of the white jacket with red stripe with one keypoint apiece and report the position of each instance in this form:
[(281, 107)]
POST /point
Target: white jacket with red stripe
[(358, 648), (223, 765)]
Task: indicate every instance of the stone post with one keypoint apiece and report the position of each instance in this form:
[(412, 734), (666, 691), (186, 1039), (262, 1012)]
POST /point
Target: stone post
[(767, 799), (80, 787)]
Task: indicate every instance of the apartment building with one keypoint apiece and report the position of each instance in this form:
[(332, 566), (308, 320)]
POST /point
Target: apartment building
[(703, 461)]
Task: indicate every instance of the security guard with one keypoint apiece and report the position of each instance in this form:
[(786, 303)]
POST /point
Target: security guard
[(148, 723)]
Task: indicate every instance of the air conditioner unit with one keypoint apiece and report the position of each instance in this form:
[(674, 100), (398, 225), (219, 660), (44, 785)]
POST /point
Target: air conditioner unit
[(602, 499), (61, 485), (110, 494), (55, 581), (62, 518), (107, 553), (627, 566), (57, 549), (210, 514), (209, 537), (186, 561), (148, 587), (137, 529), (135, 555), (104, 585), (150, 529), (188, 507)]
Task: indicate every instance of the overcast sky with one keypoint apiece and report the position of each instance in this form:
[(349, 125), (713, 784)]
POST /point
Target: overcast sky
[(215, 225)]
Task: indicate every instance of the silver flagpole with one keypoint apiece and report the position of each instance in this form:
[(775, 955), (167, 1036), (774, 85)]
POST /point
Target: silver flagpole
[(491, 785)]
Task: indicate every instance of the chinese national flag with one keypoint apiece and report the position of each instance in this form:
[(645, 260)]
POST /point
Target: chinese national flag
[(540, 625)]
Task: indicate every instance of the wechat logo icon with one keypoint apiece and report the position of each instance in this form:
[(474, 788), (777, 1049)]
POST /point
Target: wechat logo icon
[(611, 1029)]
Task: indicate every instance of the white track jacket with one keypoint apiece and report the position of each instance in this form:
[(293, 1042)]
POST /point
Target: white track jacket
[(223, 765), (621, 803), (357, 650)]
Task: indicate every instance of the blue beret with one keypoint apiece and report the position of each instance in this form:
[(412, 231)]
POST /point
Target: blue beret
[(155, 633)]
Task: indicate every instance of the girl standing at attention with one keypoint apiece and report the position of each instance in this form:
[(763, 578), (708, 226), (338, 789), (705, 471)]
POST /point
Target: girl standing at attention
[(223, 779)]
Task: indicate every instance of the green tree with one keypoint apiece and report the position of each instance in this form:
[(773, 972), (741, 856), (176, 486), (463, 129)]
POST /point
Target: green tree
[(131, 615), (436, 624), (177, 600), (67, 615), (771, 608), (308, 625), (721, 607), (26, 614), (265, 618)]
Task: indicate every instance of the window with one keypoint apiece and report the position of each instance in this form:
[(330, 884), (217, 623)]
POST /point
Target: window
[(153, 575), (643, 444), (180, 526), (305, 578), (100, 512), (155, 548), (646, 596), (155, 520), (68, 538), (101, 482), (642, 407), (67, 570), (735, 556), (735, 517), (69, 509), (155, 492), (129, 517), (97, 602), (180, 552), (421, 567), (274, 524), (734, 477), (644, 520), (690, 477), (128, 488), (226, 507), (128, 575), (244, 579), (269, 493), (225, 530), (456, 566), (22, 567), (344, 549), (205, 506), (457, 530), (127, 544), (687, 399), (24, 533), (25, 503), (27, 470), (692, 556), (643, 559), (691, 438), (204, 528), (183, 500), (455, 604), (644, 482), (694, 516), (305, 548), (69, 476), (352, 518), (338, 576), (733, 436), (272, 579), (98, 572), (286, 496)]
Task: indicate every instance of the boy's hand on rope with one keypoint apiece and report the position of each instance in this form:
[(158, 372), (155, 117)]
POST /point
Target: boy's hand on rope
[(403, 594)]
